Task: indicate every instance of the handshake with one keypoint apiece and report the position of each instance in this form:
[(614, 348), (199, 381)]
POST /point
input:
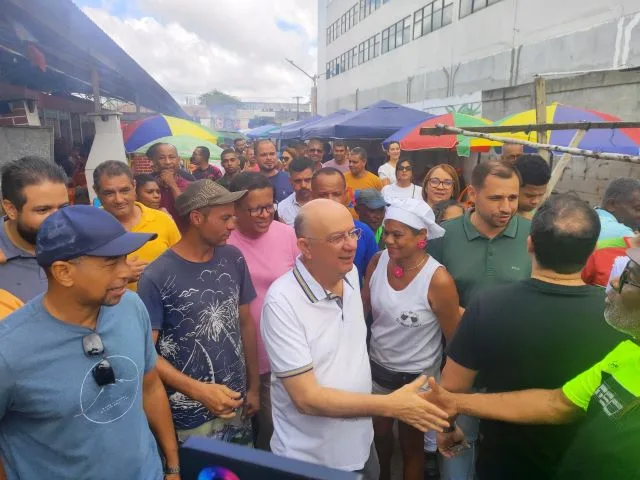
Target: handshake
[(431, 409)]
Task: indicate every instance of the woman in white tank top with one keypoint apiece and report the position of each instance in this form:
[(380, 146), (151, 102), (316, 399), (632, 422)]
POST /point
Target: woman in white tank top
[(413, 300)]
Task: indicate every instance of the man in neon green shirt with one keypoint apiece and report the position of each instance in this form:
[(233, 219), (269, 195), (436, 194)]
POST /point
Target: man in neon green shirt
[(606, 397)]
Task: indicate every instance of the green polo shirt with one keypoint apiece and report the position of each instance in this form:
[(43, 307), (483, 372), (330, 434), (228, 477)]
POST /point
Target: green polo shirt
[(477, 262)]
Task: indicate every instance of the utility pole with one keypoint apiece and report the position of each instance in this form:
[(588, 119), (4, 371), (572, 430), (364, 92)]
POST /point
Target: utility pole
[(540, 104), (297, 107), (314, 89)]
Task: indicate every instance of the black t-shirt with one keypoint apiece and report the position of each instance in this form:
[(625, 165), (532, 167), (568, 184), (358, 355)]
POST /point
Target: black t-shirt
[(530, 334)]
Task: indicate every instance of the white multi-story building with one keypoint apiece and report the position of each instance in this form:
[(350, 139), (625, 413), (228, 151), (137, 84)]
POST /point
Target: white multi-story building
[(442, 54)]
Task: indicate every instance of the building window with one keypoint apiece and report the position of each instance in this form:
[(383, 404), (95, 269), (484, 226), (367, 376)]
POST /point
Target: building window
[(385, 40), (431, 17), (367, 7), (467, 7), (396, 35)]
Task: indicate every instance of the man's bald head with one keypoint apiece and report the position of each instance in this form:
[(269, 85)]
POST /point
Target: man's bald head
[(564, 232), (511, 152), (318, 218)]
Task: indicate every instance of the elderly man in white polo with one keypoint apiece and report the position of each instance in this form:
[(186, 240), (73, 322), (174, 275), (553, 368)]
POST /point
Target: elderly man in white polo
[(314, 331)]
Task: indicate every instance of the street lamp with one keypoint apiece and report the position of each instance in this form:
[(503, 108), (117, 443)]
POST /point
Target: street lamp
[(314, 89)]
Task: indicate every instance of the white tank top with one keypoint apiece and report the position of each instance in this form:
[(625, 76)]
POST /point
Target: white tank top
[(405, 334)]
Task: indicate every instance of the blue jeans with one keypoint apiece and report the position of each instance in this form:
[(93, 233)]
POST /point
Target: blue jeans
[(463, 466)]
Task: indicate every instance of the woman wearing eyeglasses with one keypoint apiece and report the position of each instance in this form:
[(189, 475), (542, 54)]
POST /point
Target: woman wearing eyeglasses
[(387, 172), (403, 186), (441, 183), (270, 250)]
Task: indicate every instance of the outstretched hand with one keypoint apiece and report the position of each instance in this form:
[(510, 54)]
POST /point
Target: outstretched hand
[(441, 397), (408, 406)]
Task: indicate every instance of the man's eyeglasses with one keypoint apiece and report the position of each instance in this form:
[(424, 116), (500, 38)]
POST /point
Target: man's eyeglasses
[(436, 182), (625, 277), (103, 372), (406, 168), (256, 212), (316, 150), (338, 239)]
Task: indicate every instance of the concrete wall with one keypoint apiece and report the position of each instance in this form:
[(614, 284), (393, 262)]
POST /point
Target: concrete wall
[(17, 142), (503, 45), (617, 93)]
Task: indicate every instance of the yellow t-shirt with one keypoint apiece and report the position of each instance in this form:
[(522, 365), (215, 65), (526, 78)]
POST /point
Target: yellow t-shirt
[(154, 221), (8, 303), (368, 180)]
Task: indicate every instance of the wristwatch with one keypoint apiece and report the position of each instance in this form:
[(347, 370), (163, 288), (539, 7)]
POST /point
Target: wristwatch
[(451, 428), (171, 470)]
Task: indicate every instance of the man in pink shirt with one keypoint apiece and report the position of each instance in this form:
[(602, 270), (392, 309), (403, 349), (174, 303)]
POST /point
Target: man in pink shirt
[(270, 250), (339, 159)]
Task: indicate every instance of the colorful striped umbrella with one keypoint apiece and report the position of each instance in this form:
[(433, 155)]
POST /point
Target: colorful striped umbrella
[(623, 140), (185, 146), (410, 138), (151, 129)]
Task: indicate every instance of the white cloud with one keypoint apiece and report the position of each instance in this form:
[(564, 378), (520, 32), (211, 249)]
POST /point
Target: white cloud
[(193, 46)]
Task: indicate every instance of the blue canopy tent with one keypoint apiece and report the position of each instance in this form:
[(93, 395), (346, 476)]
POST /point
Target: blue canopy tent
[(376, 121), (292, 130), (329, 120), (263, 131)]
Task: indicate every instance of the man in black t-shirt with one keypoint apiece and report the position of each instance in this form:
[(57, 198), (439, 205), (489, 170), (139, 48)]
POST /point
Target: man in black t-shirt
[(533, 334)]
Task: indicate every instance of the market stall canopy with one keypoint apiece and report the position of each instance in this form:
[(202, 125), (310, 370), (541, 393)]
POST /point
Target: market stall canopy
[(327, 121), (624, 140), (52, 46), (293, 130), (152, 129), (263, 131), (185, 146), (410, 139), (376, 121)]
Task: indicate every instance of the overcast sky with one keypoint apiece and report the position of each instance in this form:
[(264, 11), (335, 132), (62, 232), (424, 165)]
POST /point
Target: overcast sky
[(237, 46)]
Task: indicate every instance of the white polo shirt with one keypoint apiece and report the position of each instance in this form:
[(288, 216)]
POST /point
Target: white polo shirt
[(288, 209), (303, 328)]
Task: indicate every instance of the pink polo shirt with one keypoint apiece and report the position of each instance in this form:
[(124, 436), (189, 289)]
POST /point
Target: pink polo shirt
[(268, 258)]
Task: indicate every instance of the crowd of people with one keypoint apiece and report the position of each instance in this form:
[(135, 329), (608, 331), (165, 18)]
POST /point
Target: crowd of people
[(309, 307)]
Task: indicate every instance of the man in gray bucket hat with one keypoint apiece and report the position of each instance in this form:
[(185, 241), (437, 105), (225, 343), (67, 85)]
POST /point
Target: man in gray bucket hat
[(198, 294)]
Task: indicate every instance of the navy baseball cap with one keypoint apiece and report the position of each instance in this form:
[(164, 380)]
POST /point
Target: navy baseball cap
[(80, 230), (370, 197)]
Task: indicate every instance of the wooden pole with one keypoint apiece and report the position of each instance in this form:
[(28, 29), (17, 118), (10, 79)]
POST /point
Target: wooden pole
[(446, 129), (558, 170), (95, 84), (536, 128), (540, 101)]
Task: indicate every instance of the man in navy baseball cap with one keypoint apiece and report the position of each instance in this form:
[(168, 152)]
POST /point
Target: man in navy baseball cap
[(82, 230), (85, 345)]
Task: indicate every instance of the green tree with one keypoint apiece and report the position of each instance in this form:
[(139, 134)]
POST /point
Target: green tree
[(217, 99)]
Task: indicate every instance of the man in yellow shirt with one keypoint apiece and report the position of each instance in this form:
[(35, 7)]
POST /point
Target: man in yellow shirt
[(8, 304), (358, 178), (115, 187)]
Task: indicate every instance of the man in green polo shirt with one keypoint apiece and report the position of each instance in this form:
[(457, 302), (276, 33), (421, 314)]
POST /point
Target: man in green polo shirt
[(606, 397), (488, 245)]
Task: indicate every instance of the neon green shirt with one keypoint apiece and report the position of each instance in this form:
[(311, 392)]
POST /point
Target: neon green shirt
[(608, 442)]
